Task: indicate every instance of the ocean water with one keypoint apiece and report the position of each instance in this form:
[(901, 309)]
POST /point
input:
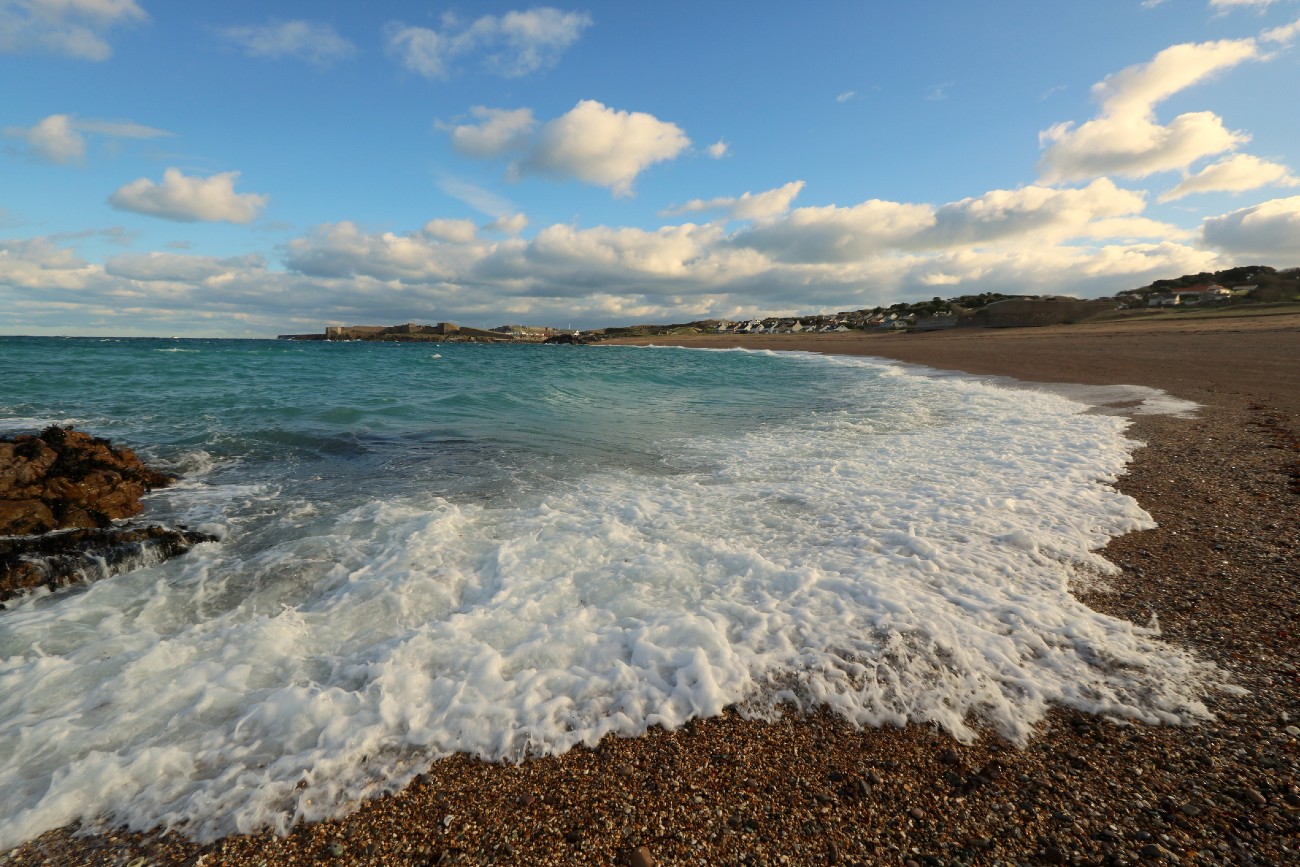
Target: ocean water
[(509, 551)]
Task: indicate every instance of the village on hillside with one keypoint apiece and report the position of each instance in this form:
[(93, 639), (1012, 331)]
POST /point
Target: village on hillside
[(1244, 286)]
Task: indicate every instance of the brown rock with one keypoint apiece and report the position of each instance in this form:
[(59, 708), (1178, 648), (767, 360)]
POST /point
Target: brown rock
[(20, 517), (80, 480)]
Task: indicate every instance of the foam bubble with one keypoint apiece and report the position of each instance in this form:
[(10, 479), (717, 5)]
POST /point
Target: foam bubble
[(913, 565)]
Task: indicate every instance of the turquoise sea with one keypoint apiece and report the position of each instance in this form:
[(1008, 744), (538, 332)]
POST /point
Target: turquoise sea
[(508, 551)]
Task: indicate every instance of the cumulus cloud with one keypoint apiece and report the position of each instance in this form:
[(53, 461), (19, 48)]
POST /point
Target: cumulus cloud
[(60, 138), (511, 45), (837, 234), (497, 131), (508, 224), (1235, 174), (74, 28), (1034, 211), (451, 231), (747, 206), (603, 146), (592, 143), (190, 199), (718, 149), (1268, 230), (1125, 139), (1035, 214), (312, 41)]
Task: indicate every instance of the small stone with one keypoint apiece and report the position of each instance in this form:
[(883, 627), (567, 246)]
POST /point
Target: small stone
[(873, 778), (1053, 855), (336, 849), (1256, 798), (916, 813), (950, 758), (1293, 731), (1155, 850), (640, 857), (525, 800)]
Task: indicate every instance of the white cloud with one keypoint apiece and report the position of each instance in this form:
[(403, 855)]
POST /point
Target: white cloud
[(846, 96), (1268, 230), (499, 131), (1284, 35), (120, 128), (189, 199), (1039, 212), (747, 206), (1235, 174), (451, 231), (341, 250), (509, 224), (60, 138), (1125, 138), (603, 146), (609, 275), (511, 45), (1225, 5), (718, 149), (53, 139), (1043, 215), (833, 234), (177, 268), (38, 263), (478, 198), (75, 28), (313, 41), (591, 142)]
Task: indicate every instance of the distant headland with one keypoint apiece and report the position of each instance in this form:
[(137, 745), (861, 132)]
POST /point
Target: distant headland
[(1252, 286), (443, 332)]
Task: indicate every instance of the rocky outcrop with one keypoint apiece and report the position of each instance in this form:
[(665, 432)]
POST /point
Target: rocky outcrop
[(60, 492), (63, 478), (61, 558)]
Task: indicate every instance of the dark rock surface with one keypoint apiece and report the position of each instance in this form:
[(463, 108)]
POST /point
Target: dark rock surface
[(65, 557), (60, 492)]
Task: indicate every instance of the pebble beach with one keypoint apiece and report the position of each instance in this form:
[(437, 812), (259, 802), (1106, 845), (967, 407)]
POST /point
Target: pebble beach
[(1220, 576)]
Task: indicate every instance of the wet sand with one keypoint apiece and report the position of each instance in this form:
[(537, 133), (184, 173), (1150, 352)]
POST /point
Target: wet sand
[(1221, 575)]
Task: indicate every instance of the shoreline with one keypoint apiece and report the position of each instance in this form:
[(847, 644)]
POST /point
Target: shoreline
[(1221, 574)]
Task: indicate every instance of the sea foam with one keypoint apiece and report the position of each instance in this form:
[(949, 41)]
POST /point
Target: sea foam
[(912, 565)]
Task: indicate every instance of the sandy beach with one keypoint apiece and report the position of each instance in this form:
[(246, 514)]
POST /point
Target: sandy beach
[(1221, 576)]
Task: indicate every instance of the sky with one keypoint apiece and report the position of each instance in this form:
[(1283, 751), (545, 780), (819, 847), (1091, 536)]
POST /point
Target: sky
[(190, 169)]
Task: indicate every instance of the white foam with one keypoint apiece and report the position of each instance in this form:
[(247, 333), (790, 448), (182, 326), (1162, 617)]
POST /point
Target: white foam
[(892, 571)]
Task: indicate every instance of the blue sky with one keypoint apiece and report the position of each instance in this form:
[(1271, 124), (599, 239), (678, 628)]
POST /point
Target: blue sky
[(211, 169)]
